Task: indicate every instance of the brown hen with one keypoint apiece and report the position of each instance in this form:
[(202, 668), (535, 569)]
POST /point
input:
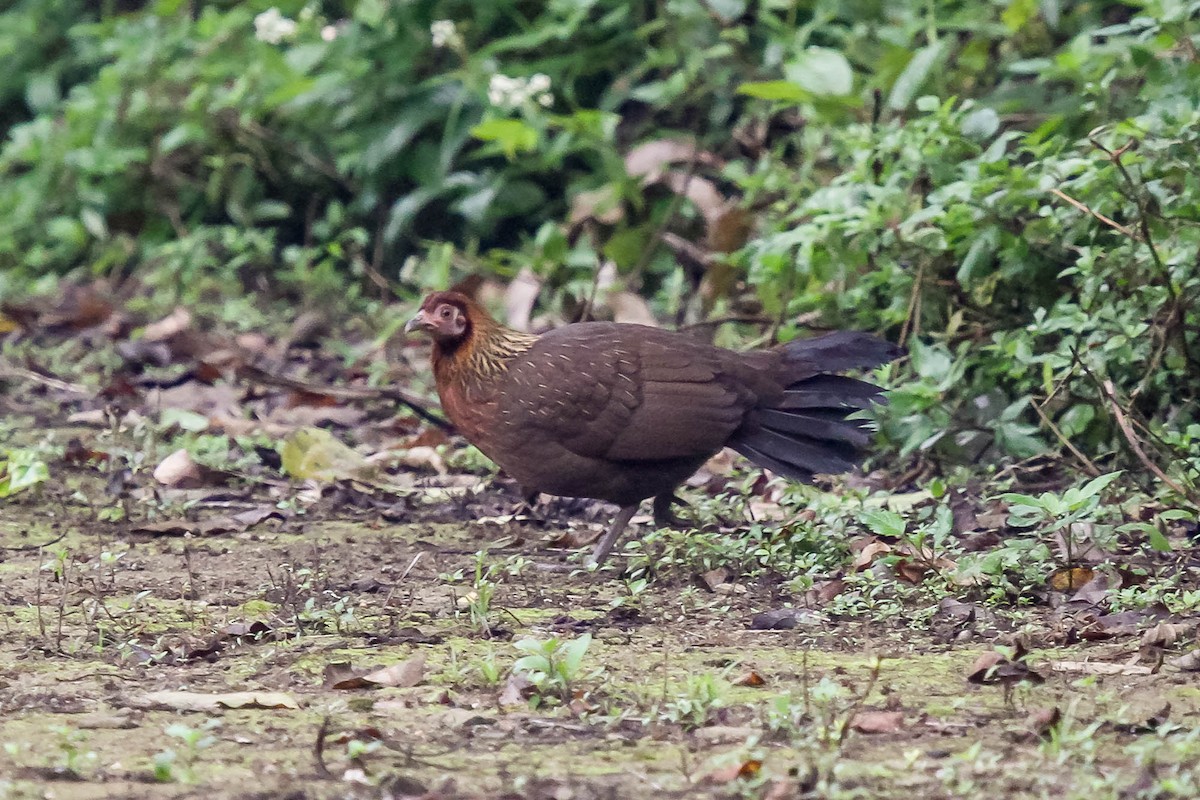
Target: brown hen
[(626, 412)]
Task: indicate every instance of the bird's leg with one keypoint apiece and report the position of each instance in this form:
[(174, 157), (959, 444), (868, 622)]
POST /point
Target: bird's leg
[(605, 545), (527, 506), (664, 517)]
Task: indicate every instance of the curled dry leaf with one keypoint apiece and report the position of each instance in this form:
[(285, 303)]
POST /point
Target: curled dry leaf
[(871, 550), (180, 471), (733, 771), (749, 678), (341, 675), (1165, 634), (995, 668), (1189, 662)]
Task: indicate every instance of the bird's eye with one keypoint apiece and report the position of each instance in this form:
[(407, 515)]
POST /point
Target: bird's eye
[(446, 312)]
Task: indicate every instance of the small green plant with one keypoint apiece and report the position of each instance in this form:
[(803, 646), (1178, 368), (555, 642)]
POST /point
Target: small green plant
[(74, 757), (1055, 516), (702, 695), (552, 665), (477, 602), (179, 765)]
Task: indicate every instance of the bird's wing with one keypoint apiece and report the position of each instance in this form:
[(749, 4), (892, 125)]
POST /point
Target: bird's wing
[(626, 393)]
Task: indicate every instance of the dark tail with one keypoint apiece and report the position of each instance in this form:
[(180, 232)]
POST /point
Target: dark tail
[(807, 432)]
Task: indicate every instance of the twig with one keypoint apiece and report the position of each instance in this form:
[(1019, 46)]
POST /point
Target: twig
[(262, 377), (1088, 465), (319, 750), (1109, 222), (914, 305), (1134, 444), (9, 371), (39, 546)]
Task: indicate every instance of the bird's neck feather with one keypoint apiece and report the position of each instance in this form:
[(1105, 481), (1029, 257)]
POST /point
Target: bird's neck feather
[(483, 353)]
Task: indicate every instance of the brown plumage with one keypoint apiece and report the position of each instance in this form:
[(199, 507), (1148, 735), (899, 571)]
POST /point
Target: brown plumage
[(626, 412)]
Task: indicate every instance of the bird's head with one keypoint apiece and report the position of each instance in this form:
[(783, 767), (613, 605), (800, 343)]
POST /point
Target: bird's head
[(444, 316)]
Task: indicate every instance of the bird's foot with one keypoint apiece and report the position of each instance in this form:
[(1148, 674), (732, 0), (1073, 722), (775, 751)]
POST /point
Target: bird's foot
[(665, 517)]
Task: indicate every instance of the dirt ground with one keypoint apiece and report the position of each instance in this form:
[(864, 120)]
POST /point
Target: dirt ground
[(677, 693), (188, 609)]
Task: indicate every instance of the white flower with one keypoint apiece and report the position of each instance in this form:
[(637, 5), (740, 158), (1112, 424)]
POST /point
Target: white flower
[(329, 33), (444, 33), (504, 91), (272, 27), (507, 92)]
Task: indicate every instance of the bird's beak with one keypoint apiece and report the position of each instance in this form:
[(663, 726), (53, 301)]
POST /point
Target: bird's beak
[(418, 323)]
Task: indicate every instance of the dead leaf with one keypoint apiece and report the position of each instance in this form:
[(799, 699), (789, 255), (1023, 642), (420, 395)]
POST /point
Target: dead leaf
[(176, 322), (631, 308), (993, 667), (650, 157), (1069, 579), (1100, 668), (823, 592), (749, 678), (183, 527), (313, 453), (1189, 662), (784, 619), (1150, 725), (180, 471), (1043, 721), (519, 297), (714, 578), (1165, 634), (602, 205), (738, 769), (516, 690), (867, 554), (342, 675), (198, 701), (878, 722)]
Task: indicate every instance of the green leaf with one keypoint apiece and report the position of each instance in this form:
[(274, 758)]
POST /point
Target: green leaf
[(512, 135), (981, 255), (885, 523), (780, 91), (915, 73), (1098, 485), (980, 124), (1158, 541), (821, 71)]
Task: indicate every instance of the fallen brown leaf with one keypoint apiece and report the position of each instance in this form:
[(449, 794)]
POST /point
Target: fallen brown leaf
[(1100, 668), (341, 675), (1069, 579), (198, 701), (878, 722), (749, 678)]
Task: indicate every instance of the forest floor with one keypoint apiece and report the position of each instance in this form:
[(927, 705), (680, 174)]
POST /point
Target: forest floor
[(214, 626)]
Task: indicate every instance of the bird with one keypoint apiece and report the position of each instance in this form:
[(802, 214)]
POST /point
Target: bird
[(622, 412)]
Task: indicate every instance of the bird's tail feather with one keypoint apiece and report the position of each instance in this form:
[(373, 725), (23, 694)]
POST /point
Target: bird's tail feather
[(808, 432)]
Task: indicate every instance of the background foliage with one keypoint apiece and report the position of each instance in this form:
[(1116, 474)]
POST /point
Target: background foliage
[(1008, 187)]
